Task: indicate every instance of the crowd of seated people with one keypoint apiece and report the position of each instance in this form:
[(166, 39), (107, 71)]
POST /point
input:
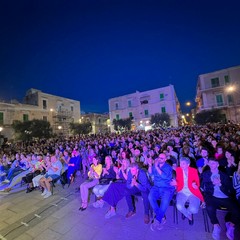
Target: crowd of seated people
[(155, 165)]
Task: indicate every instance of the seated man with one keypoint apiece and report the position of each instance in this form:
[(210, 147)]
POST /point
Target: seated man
[(187, 183), (161, 172), (218, 189), (53, 171), (137, 184)]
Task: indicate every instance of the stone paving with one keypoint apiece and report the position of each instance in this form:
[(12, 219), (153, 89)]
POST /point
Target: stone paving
[(29, 216)]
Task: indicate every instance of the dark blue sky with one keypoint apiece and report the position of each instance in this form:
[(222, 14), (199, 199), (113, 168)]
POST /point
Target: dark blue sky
[(93, 50)]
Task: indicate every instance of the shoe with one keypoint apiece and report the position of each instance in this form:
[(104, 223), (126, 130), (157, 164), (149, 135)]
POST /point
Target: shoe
[(130, 214), (48, 194), (98, 204), (4, 192), (230, 231), (2, 174), (110, 214), (216, 232), (146, 219), (190, 222), (29, 190), (44, 192), (156, 225), (6, 181)]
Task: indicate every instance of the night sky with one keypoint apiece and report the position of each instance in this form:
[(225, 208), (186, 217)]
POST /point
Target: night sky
[(95, 50)]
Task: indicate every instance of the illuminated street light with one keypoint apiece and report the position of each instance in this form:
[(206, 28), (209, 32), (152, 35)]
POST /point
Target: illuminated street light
[(188, 104), (51, 110), (231, 89), (59, 127), (1, 129), (183, 116)]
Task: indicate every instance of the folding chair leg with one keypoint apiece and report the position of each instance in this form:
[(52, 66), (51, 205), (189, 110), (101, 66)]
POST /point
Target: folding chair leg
[(205, 219)]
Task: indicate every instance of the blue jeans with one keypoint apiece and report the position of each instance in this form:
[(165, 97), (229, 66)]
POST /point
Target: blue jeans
[(165, 196), (131, 202), (13, 172)]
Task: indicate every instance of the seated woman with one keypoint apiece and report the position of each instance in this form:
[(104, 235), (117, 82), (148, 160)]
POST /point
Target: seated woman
[(71, 167), (116, 190), (41, 166), (187, 183), (93, 179), (236, 183), (108, 175)]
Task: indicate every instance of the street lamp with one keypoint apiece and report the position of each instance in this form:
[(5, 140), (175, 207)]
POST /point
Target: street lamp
[(231, 90), (188, 104)]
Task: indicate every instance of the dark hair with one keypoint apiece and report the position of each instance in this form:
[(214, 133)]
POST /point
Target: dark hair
[(213, 159)]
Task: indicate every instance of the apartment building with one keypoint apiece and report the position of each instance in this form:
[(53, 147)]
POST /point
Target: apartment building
[(59, 111), (220, 90), (141, 105), (100, 122)]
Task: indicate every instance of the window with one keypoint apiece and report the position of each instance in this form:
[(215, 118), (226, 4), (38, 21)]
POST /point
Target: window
[(161, 96), (116, 106), (99, 120), (163, 109), (129, 103), (72, 108), (130, 115), (144, 102), (44, 104), (230, 99), (219, 99), (215, 82), (45, 118), (1, 118), (25, 117), (146, 113), (226, 79), (117, 117)]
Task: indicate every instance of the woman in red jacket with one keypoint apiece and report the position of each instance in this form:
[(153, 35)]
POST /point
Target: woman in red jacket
[(187, 183)]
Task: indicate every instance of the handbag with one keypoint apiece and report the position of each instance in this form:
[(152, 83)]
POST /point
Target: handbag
[(104, 181)]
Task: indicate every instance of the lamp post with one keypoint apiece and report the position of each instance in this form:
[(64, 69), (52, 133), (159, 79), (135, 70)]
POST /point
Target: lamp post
[(1, 138), (231, 90)]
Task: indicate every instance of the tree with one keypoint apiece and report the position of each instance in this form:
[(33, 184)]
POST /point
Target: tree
[(122, 124), (210, 116), (32, 129), (160, 120), (81, 128)]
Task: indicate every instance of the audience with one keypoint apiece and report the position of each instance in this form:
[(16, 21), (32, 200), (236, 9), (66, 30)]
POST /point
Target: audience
[(156, 151)]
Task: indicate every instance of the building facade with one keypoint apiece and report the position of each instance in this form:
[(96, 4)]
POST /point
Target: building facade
[(100, 122), (220, 90), (141, 105), (57, 110)]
